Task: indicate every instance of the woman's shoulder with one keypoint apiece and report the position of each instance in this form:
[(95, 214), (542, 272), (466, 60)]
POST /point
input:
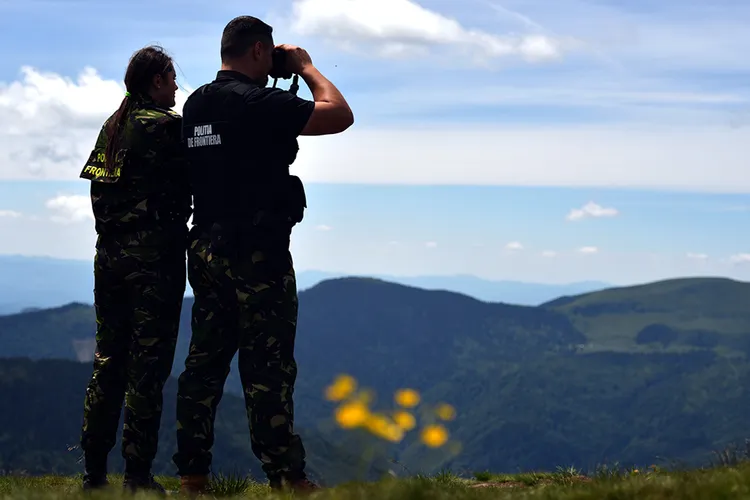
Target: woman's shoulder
[(153, 121), (151, 113)]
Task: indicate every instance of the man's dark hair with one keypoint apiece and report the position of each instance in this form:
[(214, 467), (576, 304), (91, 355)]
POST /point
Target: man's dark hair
[(241, 33)]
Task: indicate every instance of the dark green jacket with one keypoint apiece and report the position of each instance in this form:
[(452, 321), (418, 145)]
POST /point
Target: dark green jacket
[(149, 189)]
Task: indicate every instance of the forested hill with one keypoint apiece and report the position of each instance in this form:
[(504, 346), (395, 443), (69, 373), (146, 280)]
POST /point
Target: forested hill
[(636, 374)]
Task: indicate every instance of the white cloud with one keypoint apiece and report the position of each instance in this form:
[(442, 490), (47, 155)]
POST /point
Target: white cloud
[(549, 253), (70, 209), (696, 158), (48, 123), (394, 28), (697, 256), (690, 36), (431, 244), (10, 214), (599, 91), (734, 208), (591, 209), (588, 250), (323, 227), (514, 245), (740, 258)]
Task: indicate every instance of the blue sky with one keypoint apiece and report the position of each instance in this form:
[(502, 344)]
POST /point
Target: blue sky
[(479, 124)]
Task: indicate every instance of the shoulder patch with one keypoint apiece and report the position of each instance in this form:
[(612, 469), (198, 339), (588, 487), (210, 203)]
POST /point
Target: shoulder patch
[(94, 169)]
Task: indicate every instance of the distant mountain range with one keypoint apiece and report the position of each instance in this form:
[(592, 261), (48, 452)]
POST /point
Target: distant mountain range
[(649, 374), (40, 282)]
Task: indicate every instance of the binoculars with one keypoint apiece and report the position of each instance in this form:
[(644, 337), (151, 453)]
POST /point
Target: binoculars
[(278, 67), (279, 70)]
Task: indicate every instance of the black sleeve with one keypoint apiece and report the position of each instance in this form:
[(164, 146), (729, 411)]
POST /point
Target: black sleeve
[(286, 113)]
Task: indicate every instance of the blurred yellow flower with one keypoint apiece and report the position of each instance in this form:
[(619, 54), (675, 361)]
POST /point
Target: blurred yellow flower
[(384, 428), (446, 412), (352, 414), (434, 436), (366, 396), (341, 388), (408, 398), (405, 420)]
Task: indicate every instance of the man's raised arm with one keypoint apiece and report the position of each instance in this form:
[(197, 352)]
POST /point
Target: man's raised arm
[(332, 114)]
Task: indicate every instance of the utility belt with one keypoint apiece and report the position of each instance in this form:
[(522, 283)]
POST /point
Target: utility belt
[(265, 227), (239, 240), (163, 219), (170, 225), (160, 220)]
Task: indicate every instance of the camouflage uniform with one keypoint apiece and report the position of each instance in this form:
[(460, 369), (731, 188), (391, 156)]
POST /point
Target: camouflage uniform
[(246, 300), (141, 215)]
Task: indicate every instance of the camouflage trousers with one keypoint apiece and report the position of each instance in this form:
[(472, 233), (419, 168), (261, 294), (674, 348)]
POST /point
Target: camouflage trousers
[(248, 304), (139, 289)]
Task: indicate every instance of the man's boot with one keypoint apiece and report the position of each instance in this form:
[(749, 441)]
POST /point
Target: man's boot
[(193, 485), (133, 483), (94, 482), (298, 483), (95, 473)]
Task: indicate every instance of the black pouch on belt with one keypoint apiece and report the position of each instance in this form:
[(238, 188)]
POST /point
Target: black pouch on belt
[(296, 200)]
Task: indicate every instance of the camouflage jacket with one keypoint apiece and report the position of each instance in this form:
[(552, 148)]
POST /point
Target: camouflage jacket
[(149, 189)]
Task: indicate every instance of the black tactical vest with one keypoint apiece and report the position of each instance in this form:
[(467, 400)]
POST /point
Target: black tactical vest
[(239, 171)]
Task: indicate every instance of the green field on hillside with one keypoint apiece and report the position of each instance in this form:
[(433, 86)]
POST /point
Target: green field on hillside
[(676, 315)]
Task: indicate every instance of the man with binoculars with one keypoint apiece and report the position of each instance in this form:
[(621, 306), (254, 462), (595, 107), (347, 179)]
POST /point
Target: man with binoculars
[(240, 139)]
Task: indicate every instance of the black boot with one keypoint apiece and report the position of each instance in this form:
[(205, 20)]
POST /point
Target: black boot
[(297, 482), (94, 482), (95, 472), (132, 484)]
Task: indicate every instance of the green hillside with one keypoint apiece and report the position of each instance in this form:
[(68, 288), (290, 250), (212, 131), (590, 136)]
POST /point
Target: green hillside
[(674, 315), (65, 332), (394, 335), (528, 396)]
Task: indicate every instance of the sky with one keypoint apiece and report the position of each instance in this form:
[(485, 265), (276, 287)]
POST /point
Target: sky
[(526, 139)]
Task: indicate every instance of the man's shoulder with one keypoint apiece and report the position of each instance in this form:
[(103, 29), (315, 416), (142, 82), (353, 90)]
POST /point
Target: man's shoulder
[(209, 89), (271, 94), (277, 101)]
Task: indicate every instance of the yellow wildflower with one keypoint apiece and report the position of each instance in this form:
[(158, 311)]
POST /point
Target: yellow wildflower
[(408, 398), (405, 420), (446, 412), (341, 388), (352, 414), (434, 436), (366, 396), (384, 428)]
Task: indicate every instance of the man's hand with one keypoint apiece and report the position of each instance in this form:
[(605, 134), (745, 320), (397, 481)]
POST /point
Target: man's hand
[(332, 114), (297, 59)]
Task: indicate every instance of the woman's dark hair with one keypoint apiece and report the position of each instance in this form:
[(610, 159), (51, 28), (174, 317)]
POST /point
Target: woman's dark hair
[(143, 66)]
